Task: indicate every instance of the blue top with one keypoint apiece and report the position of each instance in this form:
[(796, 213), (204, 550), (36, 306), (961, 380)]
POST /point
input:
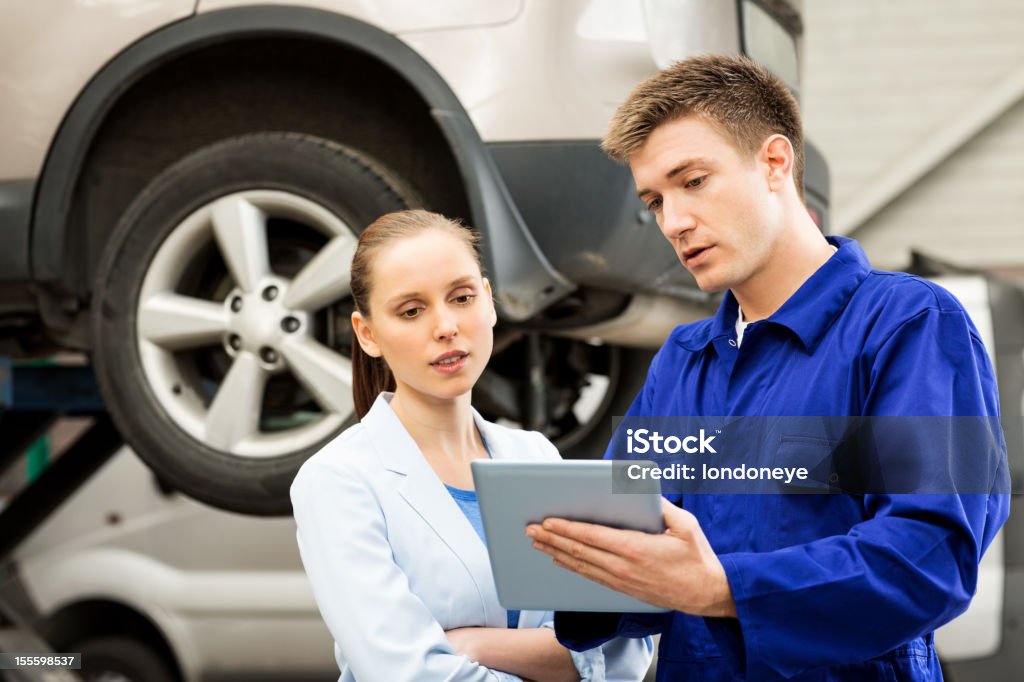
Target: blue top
[(466, 499), (835, 587)]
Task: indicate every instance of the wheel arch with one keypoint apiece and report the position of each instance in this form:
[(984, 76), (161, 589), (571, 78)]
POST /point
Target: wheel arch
[(76, 621), (160, 85)]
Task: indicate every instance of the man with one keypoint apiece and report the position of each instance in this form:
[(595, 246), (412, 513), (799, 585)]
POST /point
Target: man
[(806, 587)]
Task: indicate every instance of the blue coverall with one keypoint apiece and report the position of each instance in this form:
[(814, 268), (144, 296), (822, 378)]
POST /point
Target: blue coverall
[(827, 587)]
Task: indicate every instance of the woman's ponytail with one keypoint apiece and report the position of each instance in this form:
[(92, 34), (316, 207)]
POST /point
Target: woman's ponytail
[(370, 376)]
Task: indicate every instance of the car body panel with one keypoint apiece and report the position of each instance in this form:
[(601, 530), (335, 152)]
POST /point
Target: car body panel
[(559, 82), (398, 16), (82, 36)]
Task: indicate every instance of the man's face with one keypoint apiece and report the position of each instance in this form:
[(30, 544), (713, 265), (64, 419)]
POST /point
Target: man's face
[(712, 201)]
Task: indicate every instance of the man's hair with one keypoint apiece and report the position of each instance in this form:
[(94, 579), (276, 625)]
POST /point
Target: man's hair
[(735, 94)]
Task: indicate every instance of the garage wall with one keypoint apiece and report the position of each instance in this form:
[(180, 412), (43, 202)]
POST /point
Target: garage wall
[(919, 107)]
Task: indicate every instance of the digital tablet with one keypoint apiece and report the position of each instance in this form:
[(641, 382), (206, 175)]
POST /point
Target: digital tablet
[(515, 494)]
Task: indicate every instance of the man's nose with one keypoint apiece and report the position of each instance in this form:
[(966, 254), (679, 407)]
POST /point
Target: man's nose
[(676, 218)]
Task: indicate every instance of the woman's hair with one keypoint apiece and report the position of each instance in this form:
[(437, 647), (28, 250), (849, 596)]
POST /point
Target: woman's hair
[(372, 375)]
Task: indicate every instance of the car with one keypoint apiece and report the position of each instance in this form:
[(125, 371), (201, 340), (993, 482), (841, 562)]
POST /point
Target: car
[(150, 586), (181, 197)]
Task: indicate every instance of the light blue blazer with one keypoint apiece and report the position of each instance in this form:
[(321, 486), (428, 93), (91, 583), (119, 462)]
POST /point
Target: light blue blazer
[(393, 561)]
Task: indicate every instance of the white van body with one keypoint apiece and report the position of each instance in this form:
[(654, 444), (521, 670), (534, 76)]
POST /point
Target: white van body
[(226, 591)]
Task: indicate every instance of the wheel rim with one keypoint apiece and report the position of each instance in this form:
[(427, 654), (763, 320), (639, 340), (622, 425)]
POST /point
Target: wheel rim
[(250, 360)]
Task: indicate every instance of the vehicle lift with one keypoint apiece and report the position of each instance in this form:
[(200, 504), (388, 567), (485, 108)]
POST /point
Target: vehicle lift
[(33, 396)]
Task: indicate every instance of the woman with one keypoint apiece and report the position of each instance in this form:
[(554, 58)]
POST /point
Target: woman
[(388, 525)]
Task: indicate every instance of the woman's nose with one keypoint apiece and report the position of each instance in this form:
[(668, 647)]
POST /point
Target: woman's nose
[(446, 325)]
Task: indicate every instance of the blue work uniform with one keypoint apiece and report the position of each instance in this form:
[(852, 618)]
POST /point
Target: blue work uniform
[(827, 587)]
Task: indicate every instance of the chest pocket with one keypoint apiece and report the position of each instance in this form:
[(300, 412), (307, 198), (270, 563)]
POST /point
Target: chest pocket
[(814, 507), (823, 460)]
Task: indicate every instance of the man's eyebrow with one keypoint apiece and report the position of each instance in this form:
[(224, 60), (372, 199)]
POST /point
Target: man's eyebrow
[(465, 279), (676, 170)]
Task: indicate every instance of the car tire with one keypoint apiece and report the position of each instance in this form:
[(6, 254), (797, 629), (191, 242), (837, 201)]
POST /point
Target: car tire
[(121, 659), (219, 402), (625, 378)]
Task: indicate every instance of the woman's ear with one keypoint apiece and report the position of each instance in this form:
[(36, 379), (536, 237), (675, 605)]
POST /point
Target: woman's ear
[(490, 298), (364, 334)]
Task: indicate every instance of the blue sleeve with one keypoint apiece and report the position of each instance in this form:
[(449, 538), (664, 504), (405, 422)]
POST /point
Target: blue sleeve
[(911, 565), (617, 660)]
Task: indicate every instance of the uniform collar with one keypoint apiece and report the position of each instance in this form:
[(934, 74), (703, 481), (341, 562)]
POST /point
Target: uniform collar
[(808, 313)]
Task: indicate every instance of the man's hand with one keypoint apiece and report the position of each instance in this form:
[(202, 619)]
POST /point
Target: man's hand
[(676, 570)]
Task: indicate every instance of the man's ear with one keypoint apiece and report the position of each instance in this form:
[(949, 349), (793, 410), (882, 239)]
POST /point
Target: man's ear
[(778, 156), (364, 334), (490, 298)]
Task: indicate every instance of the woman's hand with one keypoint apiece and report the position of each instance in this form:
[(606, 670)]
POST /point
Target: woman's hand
[(464, 641)]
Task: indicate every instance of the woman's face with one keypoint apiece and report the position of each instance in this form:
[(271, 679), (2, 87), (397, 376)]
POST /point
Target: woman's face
[(431, 315)]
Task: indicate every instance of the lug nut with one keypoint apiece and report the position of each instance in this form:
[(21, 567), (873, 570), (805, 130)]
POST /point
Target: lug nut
[(236, 304), (290, 324), (235, 341), (270, 293), (268, 354)]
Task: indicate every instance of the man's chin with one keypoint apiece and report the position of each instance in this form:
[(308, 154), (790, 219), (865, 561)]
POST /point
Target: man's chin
[(706, 280), (710, 286)]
